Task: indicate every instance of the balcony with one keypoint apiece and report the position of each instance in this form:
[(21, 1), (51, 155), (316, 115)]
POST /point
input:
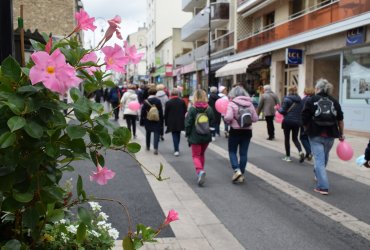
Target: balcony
[(189, 5), (324, 16), (223, 42), (198, 26)]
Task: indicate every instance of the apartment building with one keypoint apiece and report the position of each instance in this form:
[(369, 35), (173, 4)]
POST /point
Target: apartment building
[(138, 73), (162, 17), (211, 30), (284, 42)]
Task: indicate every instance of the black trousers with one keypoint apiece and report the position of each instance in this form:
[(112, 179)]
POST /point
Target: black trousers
[(270, 126), (131, 123)]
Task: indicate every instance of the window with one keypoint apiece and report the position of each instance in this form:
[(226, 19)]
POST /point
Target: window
[(297, 8), (257, 23), (269, 20)]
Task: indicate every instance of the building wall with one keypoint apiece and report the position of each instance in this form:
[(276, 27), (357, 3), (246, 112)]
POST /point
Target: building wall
[(50, 16)]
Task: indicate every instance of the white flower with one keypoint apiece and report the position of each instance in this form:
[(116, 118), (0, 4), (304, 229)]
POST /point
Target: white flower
[(72, 229), (64, 237), (94, 233), (95, 206), (103, 215), (113, 233), (101, 223), (62, 221)]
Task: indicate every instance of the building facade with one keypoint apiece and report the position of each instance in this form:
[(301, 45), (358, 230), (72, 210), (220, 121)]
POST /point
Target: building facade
[(138, 73)]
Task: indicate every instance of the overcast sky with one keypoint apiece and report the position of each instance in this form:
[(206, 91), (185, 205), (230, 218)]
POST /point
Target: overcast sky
[(132, 13)]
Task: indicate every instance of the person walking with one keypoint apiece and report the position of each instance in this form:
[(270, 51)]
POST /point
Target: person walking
[(174, 118), (114, 98), (222, 93), (367, 156), (291, 109), (322, 119), (213, 97), (239, 137), (267, 102), (154, 126), (303, 137), (128, 114), (199, 141), (163, 97)]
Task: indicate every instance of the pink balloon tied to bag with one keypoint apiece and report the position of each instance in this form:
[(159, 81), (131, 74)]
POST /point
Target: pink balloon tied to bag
[(134, 106), (278, 117), (344, 151), (221, 105)]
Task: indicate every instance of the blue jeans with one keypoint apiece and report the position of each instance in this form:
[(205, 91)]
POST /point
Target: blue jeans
[(320, 147), (155, 140), (225, 125), (240, 141), (176, 140)]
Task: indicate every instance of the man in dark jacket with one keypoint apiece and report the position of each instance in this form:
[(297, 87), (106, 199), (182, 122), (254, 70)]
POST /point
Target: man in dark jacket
[(322, 135), (367, 156), (213, 97), (174, 118), (114, 98)]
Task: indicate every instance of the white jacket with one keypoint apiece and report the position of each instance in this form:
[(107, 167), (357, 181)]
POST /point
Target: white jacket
[(129, 96)]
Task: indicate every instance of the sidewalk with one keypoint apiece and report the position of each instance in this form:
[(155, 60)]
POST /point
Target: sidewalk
[(201, 229)]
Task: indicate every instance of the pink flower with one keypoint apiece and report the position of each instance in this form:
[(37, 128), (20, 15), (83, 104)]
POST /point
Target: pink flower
[(113, 28), (90, 57), (53, 71), (102, 175), (49, 45), (131, 52), (115, 58), (172, 216), (84, 21)]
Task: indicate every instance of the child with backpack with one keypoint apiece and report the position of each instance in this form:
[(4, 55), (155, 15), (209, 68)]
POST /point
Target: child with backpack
[(240, 115), (198, 126)]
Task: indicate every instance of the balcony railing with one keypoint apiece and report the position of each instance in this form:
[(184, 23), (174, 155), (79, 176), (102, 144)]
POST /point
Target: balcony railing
[(323, 16), (223, 42), (198, 26), (189, 5)]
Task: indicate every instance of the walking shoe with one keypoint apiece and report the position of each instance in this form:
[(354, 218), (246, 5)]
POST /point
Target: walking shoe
[(287, 158), (226, 134), (176, 153), (201, 178), (321, 191), (236, 175), (270, 138), (301, 157), (162, 138), (155, 151), (241, 179), (309, 157), (147, 148), (213, 138)]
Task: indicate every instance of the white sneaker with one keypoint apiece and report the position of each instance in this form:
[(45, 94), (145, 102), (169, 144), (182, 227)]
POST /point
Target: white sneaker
[(287, 158), (213, 138), (236, 175), (176, 153), (241, 179), (201, 178)]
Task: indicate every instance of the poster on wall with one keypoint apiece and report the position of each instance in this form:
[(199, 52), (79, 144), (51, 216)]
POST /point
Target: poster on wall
[(358, 81)]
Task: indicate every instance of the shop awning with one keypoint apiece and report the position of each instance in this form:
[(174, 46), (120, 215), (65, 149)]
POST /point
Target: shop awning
[(238, 67)]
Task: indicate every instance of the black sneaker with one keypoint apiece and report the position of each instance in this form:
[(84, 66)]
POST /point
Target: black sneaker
[(301, 157), (321, 191)]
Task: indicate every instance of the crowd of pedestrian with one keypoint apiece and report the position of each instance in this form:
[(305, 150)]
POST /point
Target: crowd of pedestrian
[(312, 123)]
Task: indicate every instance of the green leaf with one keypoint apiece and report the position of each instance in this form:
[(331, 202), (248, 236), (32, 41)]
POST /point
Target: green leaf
[(37, 45), (55, 215), (75, 94), (121, 136), (109, 83), (16, 122), (23, 197), (31, 217), (133, 147), (79, 186), (104, 138), (81, 233), (84, 215), (11, 68), (12, 245), (26, 71), (52, 150), (127, 243), (75, 132), (30, 89), (51, 194), (137, 243), (33, 129), (7, 139)]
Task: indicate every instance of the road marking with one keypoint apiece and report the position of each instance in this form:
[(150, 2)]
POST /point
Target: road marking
[(334, 213)]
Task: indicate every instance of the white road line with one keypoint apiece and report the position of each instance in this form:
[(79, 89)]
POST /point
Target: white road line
[(347, 220)]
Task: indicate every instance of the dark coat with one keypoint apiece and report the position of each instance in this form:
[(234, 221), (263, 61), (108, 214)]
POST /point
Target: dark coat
[(174, 115), (151, 125), (312, 129), (191, 133), (292, 114), (213, 97)]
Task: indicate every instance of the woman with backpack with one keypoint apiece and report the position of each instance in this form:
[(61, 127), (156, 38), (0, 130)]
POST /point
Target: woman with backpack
[(152, 118), (291, 109), (198, 126), (239, 135)]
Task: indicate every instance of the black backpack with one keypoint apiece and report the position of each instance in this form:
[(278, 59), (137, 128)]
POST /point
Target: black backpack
[(244, 116), (202, 123), (325, 112)]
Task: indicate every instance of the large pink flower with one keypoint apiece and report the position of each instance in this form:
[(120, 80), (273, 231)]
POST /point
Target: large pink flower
[(84, 21), (131, 52), (53, 71), (113, 28), (172, 216), (115, 58), (90, 57), (102, 175)]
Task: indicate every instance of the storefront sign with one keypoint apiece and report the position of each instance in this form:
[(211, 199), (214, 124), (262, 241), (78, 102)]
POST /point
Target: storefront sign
[(168, 69), (293, 56), (356, 36)]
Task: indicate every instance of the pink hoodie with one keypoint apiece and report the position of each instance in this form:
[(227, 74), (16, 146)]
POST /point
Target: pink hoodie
[(232, 111)]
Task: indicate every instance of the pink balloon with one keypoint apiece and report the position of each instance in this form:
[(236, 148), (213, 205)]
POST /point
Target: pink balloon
[(221, 105), (278, 117), (344, 151), (134, 106)]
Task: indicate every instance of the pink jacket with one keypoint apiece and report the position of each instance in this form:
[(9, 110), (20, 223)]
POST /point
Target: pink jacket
[(232, 111)]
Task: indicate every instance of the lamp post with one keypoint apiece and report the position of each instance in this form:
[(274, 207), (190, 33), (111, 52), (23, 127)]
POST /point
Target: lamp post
[(209, 46)]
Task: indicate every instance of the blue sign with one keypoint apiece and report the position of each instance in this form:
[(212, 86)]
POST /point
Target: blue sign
[(356, 36), (293, 56)]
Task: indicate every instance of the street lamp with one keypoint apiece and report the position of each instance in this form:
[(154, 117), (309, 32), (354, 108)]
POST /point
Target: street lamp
[(208, 11)]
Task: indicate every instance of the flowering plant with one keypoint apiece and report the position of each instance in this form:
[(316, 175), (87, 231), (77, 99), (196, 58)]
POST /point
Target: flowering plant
[(39, 142)]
